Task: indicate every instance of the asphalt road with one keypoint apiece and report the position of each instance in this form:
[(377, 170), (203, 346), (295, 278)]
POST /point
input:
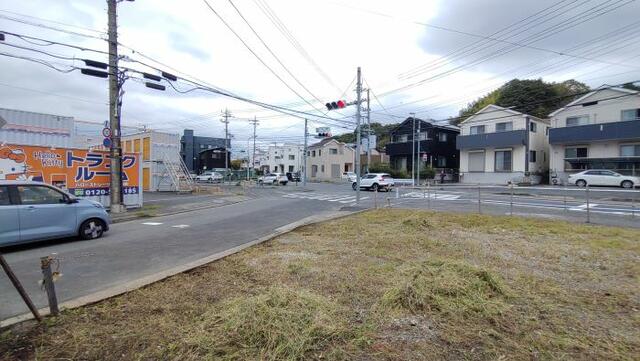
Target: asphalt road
[(135, 249)]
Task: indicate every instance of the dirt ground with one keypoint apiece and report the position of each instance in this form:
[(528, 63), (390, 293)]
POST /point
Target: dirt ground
[(380, 285)]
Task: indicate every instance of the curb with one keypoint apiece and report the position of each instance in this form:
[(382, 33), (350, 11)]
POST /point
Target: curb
[(144, 281)]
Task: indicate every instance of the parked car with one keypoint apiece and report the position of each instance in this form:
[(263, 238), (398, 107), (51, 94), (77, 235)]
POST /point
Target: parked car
[(33, 211), (209, 177), (293, 177), (375, 182), (273, 178), (349, 176), (603, 177)]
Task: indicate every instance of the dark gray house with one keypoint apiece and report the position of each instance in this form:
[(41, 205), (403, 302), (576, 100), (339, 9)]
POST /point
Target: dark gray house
[(191, 146), (435, 145)]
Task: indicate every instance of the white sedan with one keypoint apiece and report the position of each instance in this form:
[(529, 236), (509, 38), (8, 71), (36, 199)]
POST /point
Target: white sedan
[(375, 182), (603, 177), (209, 177), (273, 178)]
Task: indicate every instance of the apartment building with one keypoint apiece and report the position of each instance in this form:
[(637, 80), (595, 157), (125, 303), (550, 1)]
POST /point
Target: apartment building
[(328, 159), (600, 130), (499, 145), (284, 158)]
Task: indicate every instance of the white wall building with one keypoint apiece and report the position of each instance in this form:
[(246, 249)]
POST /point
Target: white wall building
[(284, 158), (29, 128), (499, 145), (600, 130)]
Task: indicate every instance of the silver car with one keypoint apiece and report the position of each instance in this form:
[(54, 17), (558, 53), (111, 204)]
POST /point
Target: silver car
[(32, 211)]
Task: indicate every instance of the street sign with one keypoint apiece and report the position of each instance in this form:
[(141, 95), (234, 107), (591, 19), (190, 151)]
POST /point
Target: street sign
[(106, 132), (106, 142)]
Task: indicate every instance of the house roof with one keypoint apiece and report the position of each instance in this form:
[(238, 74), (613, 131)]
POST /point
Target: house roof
[(441, 124), (599, 89), (323, 142), (493, 108)]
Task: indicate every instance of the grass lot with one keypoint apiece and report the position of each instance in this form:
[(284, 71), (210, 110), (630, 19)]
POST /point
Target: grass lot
[(385, 285)]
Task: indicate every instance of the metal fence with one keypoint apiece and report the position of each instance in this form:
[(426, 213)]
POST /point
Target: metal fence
[(587, 204)]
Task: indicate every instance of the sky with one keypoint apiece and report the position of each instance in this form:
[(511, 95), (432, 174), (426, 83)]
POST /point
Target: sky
[(430, 57)]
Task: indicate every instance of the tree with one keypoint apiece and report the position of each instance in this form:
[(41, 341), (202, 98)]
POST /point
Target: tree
[(535, 97), (631, 86), (236, 164), (380, 130)]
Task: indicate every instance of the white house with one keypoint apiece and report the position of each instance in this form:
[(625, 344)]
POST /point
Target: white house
[(600, 130), (499, 145), (328, 159), (283, 158)]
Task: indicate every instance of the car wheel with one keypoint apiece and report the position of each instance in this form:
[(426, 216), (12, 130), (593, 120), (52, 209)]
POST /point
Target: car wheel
[(627, 184), (91, 229), (375, 187), (354, 185), (581, 183)]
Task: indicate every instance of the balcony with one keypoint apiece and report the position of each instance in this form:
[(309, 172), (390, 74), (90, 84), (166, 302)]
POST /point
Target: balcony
[(625, 130), (492, 140)]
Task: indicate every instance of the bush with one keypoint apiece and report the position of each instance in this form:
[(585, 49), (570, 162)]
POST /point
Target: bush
[(386, 168), (427, 173)]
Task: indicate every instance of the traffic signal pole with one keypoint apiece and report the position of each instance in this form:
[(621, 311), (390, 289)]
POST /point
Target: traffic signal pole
[(357, 160)]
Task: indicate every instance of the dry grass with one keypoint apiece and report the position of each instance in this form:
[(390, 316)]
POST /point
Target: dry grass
[(387, 285)]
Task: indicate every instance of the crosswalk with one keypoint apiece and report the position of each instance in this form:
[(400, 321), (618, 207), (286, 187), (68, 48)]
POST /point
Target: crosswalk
[(432, 195), (328, 197)]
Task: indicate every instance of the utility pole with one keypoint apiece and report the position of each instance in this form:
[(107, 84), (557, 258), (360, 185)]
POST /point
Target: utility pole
[(419, 158), (114, 113), (368, 131), (357, 160), (413, 148), (304, 155), (226, 115), (253, 157)]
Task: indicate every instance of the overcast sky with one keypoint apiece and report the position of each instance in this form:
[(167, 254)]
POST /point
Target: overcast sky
[(438, 47)]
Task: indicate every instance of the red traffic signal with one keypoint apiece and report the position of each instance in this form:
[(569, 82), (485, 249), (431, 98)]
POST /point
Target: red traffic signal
[(336, 105)]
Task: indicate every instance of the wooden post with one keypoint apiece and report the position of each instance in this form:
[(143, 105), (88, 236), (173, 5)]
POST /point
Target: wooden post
[(45, 264), (16, 283)]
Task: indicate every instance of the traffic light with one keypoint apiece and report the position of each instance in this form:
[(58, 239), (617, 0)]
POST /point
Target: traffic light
[(336, 105), (324, 135)]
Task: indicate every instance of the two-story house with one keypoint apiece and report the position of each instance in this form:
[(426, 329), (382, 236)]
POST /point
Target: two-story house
[(435, 146), (328, 159), (600, 130), (499, 145)]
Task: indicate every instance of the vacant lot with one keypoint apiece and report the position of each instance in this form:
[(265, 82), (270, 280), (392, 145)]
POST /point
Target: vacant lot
[(386, 285)]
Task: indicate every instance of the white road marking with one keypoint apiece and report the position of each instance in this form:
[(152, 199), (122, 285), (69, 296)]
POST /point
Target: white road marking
[(583, 207), (342, 198), (432, 195), (180, 226), (152, 223)]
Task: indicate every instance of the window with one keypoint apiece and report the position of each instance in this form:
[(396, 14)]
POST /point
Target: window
[(532, 156), (546, 130), (290, 168), (631, 114), (442, 162), (369, 176), (503, 161), (423, 136), (476, 162), (320, 153), (477, 129), (576, 152), (533, 127), (322, 168), (402, 138), (578, 120), (630, 150), (333, 151), (442, 137), (593, 172), (4, 196), (313, 153), (504, 127), (308, 153), (292, 157), (40, 195)]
